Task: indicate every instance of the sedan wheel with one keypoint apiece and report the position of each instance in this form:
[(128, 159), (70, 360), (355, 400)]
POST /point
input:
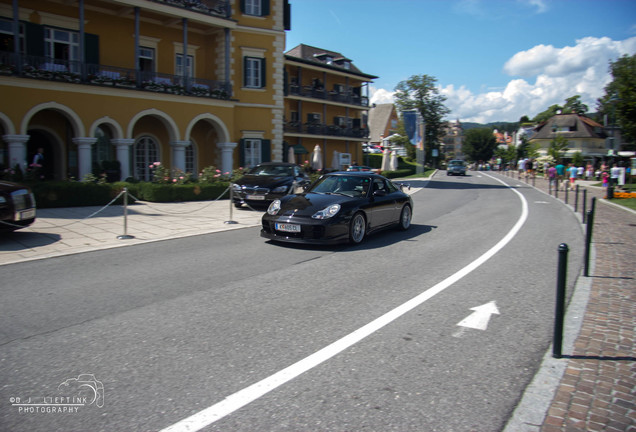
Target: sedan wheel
[(357, 229), (405, 217)]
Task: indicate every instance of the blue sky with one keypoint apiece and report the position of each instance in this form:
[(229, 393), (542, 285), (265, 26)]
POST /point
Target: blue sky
[(495, 60)]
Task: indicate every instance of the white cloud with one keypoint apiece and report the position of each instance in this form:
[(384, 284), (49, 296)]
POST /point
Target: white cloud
[(380, 96), (558, 74)]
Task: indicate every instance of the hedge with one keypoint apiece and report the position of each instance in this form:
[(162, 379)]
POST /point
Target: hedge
[(78, 194)]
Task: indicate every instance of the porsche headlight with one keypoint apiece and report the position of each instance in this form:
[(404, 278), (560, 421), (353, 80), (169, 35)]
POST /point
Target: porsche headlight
[(328, 212), (274, 208), (236, 187), (280, 189)]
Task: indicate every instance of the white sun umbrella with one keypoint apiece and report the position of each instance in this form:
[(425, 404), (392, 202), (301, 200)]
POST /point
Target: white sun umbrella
[(393, 165), (291, 156), (385, 161), (316, 159), (335, 161)]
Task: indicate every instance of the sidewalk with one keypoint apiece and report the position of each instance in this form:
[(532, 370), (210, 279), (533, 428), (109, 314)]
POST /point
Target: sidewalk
[(66, 231), (593, 388), (596, 381)]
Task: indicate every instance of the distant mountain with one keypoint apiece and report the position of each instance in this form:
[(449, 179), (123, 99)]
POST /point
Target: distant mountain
[(500, 126)]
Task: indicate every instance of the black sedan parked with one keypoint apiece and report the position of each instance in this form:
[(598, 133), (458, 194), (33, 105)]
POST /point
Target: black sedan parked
[(339, 207), (266, 182), (17, 206)]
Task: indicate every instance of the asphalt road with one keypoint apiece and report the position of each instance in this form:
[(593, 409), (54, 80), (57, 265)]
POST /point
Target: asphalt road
[(173, 328)]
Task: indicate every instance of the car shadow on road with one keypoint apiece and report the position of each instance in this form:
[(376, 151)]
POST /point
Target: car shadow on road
[(376, 240)]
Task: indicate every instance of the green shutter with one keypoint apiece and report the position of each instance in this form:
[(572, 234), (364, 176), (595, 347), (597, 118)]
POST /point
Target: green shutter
[(263, 73), (91, 48), (266, 151), (242, 153), (34, 39), (244, 71), (265, 7)]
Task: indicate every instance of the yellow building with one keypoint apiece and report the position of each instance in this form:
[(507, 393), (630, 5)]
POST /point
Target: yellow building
[(188, 83), (326, 107)]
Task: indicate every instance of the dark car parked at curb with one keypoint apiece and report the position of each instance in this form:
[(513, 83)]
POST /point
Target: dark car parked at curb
[(339, 207), (456, 167), (17, 206), (266, 182)]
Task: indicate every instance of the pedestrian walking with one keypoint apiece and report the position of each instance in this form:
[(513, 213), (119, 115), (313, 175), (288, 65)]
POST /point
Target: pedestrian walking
[(560, 169), (572, 173), (552, 175)]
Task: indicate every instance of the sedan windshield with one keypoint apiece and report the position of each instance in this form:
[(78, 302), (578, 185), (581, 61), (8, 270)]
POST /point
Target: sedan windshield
[(272, 170), (353, 186)]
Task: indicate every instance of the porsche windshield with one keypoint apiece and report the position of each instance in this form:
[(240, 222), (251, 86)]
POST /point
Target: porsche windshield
[(353, 186)]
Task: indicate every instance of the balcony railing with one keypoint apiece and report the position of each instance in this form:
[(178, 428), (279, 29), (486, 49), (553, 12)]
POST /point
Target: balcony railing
[(346, 97), (92, 74), (325, 130), (219, 8)]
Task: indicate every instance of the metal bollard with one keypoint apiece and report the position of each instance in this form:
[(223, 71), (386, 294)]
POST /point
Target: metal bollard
[(588, 237), (576, 199), (125, 236), (231, 221), (583, 213), (567, 188), (559, 314)]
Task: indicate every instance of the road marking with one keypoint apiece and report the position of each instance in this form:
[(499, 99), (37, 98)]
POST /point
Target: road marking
[(249, 394), (479, 318)]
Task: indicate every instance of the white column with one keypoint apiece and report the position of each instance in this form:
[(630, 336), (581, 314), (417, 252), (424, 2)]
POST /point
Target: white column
[(123, 155), (178, 154), (227, 153), (17, 150), (84, 155)]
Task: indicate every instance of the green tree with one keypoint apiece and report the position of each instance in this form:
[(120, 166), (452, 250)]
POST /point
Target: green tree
[(619, 101), (419, 92), (577, 159), (479, 144), (558, 146), (573, 105), (545, 115), (507, 154)]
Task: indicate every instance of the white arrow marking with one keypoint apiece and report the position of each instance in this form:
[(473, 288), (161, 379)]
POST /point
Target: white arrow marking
[(479, 319)]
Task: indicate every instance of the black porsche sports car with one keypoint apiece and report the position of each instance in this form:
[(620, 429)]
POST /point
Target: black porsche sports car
[(266, 182), (339, 207)]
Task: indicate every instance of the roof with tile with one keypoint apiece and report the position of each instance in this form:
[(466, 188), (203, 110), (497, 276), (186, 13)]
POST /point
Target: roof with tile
[(325, 58)]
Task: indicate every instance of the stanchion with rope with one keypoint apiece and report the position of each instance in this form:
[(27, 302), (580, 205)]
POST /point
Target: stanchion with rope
[(125, 235), (231, 221)]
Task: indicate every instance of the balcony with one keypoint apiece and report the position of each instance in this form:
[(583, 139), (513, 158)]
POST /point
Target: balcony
[(325, 130), (217, 8), (78, 73), (346, 97)]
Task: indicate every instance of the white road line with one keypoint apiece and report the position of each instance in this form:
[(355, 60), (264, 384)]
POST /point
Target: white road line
[(249, 394)]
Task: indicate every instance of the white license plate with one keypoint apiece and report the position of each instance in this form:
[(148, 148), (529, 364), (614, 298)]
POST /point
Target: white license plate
[(25, 214), (255, 197), (287, 227)]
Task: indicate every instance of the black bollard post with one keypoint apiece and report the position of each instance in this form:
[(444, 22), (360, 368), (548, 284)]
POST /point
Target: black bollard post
[(559, 315), (583, 213), (576, 199), (588, 242), (567, 188)]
